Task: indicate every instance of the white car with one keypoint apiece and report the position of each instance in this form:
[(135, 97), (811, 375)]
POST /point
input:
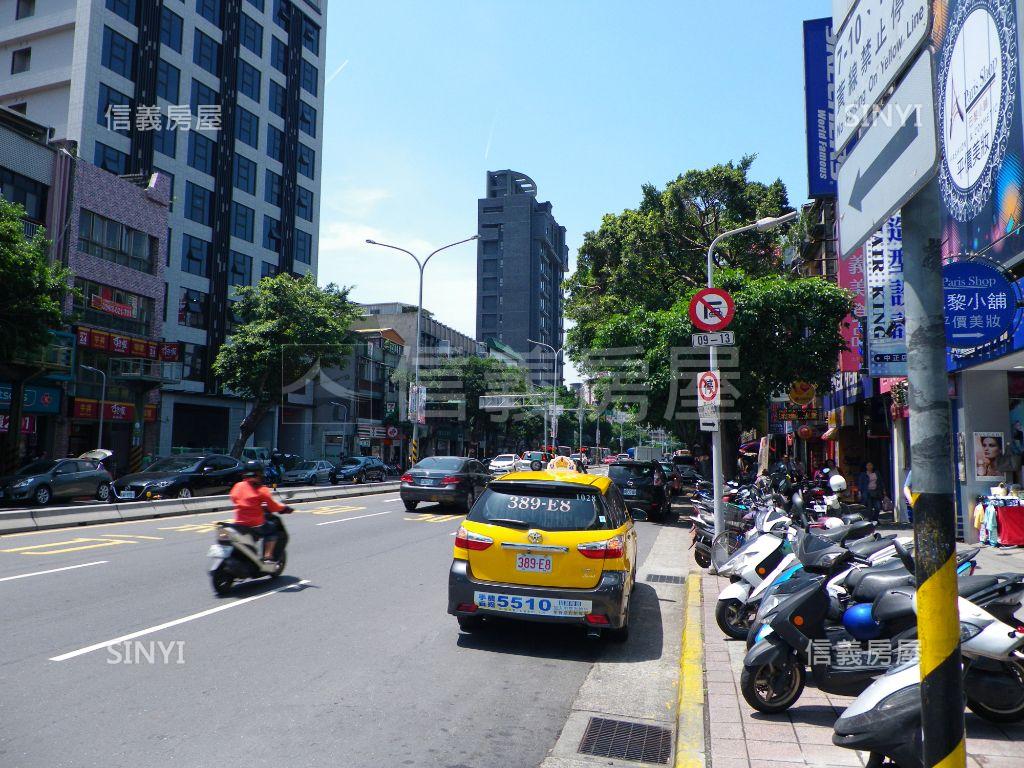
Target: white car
[(502, 463)]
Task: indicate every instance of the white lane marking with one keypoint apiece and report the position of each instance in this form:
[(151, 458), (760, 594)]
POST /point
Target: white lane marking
[(53, 570), (357, 517), (392, 501), (176, 622)]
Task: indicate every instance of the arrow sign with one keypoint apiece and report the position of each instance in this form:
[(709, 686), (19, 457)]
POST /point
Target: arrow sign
[(874, 173), (895, 157)]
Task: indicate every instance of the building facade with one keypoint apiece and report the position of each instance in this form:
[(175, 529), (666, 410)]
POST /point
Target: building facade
[(521, 263), (225, 99)]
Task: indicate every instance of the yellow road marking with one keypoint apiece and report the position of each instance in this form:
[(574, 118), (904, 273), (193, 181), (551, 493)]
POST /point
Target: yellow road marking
[(334, 510), (436, 518), (66, 546), (690, 715), (132, 536), (192, 528)]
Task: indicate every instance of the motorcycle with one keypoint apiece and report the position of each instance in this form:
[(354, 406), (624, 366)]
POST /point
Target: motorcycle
[(238, 554)]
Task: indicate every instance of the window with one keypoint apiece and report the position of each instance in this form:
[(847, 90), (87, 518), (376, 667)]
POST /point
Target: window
[(278, 99), (113, 308), (275, 143), (113, 241), (281, 8), (256, 4), (249, 80), (28, 192), (239, 269), (195, 256), (193, 358), (110, 159), (118, 53), (198, 204), (109, 97), (124, 8), (304, 204), (165, 141), (272, 188), (192, 310), (307, 161), (247, 127), (252, 35), (303, 247), (271, 234), (311, 36), (25, 9), (307, 119), (202, 94), (267, 269), (168, 81), (243, 221), (202, 152), (170, 29), (206, 53), (310, 77), (209, 10), (278, 55), (245, 174), (21, 60)]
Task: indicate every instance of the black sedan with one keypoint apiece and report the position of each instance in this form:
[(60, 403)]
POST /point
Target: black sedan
[(643, 485), (359, 469), (181, 477), (444, 480)]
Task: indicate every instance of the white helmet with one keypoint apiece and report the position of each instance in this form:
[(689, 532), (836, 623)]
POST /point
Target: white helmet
[(833, 522), (837, 483)]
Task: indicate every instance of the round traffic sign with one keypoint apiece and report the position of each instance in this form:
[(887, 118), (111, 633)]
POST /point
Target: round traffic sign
[(707, 387), (712, 309), (802, 393), (392, 432)]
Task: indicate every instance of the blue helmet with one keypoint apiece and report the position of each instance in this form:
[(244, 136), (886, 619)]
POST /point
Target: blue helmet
[(859, 622)]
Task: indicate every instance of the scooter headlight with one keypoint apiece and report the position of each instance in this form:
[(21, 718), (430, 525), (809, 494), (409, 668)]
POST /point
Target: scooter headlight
[(768, 605), (905, 698), (969, 631), (736, 565)]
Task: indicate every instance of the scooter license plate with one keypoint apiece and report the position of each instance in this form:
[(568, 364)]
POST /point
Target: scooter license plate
[(217, 550)]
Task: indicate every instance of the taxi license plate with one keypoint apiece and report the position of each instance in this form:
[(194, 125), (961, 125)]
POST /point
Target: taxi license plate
[(532, 606), (428, 482), (629, 491), (126, 495), (534, 563)]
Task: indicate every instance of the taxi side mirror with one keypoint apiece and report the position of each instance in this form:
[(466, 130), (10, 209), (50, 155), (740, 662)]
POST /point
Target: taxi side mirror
[(637, 513)]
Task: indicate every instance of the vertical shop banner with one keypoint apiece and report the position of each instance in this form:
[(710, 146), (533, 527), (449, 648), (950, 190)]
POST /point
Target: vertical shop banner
[(819, 93), (885, 324), (850, 276)]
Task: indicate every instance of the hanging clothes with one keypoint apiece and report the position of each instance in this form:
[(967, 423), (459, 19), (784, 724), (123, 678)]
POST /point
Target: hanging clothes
[(991, 525)]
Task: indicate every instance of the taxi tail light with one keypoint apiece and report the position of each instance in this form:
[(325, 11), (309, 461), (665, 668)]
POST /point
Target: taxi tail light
[(602, 550), (451, 480), (597, 618), (406, 478), (472, 541), (466, 607)]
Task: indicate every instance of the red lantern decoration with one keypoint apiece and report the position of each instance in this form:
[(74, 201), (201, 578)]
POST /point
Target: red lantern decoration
[(806, 433)]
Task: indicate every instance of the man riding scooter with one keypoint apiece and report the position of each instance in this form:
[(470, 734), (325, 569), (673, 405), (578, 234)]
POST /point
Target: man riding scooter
[(251, 497)]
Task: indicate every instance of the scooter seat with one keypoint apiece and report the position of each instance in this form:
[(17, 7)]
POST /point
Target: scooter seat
[(867, 547), (874, 582), (972, 585), (842, 533)]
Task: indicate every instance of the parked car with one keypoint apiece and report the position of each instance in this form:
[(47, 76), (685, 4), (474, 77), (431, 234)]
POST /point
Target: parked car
[(533, 461), (611, 458), (445, 480), (45, 480), (547, 547), (643, 485), (255, 453), (624, 457), (672, 476), (285, 462), (502, 463), (181, 477), (359, 469), (580, 460), (309, 473)]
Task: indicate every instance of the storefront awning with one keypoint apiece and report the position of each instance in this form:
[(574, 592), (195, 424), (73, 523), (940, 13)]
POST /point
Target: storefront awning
[(832, 433)]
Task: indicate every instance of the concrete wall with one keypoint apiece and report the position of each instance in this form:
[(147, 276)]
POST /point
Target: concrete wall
[(984, 407)]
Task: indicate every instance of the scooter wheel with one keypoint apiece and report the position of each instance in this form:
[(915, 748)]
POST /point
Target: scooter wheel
[(732, 619), (703, 558), (1011, 714), (221, 581), (280, 568), (773, 688)]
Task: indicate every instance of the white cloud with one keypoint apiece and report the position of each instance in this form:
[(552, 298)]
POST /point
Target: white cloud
[(356, 202)]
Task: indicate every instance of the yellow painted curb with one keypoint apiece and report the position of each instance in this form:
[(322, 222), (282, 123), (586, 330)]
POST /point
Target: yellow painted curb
[(690, 715)]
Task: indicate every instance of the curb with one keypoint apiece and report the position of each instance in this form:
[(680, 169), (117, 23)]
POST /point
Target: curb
[(690, 716)]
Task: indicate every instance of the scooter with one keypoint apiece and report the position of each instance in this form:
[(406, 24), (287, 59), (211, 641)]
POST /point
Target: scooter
[(238, 554), (885, 720)]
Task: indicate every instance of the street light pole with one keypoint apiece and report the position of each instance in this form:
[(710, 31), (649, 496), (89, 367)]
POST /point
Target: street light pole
[(716, 436), (103, 401), (554, 383), (422, 265)]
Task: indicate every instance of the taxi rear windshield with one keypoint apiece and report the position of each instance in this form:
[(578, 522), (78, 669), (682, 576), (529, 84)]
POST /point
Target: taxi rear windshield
[(549, 509)]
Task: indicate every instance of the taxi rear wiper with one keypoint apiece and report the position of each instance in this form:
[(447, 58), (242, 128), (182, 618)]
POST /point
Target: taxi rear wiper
[(509, 521)]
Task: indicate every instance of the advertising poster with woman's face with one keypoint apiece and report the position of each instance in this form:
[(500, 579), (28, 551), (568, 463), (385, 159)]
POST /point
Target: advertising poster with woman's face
[(988, 452)]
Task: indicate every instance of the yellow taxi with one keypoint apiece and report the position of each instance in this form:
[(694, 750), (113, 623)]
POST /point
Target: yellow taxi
[(550, 546)]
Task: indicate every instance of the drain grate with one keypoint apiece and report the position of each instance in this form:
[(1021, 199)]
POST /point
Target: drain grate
[(661, 578), (626, 741)]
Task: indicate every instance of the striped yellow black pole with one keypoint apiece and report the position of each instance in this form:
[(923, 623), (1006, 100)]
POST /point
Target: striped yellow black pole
[(135, 459), (938, 621), (414, 451)]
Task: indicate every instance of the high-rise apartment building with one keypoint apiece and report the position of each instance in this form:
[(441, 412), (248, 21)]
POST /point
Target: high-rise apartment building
[(225, 97), (521, 262)]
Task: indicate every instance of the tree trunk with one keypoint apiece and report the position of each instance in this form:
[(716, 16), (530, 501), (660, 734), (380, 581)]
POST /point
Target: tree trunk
[(248, 426), (13, 439)]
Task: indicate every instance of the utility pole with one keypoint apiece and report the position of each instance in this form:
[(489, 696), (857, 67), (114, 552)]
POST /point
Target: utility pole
[(938, 619)]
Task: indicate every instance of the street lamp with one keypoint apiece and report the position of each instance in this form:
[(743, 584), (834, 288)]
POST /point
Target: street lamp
[(761, 225), (419, 317), (103, 401), (554, 383)]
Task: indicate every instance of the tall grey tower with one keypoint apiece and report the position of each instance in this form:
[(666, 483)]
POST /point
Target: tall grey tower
[(521, 262)]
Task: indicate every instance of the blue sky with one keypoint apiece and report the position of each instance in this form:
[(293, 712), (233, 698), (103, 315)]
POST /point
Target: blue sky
[(591, 98)]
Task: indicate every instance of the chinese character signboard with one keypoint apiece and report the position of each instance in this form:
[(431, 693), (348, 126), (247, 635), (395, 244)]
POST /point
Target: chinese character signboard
[(885, 315), (980, 303), (850, 276), (819, 92)]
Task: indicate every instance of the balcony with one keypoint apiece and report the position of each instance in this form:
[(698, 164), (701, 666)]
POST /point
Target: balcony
[(56, 357), (143, 369)]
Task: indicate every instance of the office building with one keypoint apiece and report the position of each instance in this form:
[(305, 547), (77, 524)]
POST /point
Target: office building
[(521, 262), (225, 99)]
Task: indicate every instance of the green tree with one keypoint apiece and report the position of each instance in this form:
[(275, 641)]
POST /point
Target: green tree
[(32, 294), (289, 329)]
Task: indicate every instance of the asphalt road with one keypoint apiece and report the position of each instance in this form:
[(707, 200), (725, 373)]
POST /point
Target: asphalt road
[(349, 660)]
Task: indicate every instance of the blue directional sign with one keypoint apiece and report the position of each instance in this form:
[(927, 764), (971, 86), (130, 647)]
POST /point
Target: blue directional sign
[(980, 303)]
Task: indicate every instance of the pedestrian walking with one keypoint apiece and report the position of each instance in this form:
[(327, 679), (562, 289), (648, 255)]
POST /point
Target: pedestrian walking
[(869, 485)]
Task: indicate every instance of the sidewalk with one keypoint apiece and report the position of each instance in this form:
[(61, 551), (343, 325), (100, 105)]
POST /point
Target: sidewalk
[(740, 737)]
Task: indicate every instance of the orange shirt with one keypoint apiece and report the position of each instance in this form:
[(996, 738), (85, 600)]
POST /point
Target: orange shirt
[(249, 500)]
